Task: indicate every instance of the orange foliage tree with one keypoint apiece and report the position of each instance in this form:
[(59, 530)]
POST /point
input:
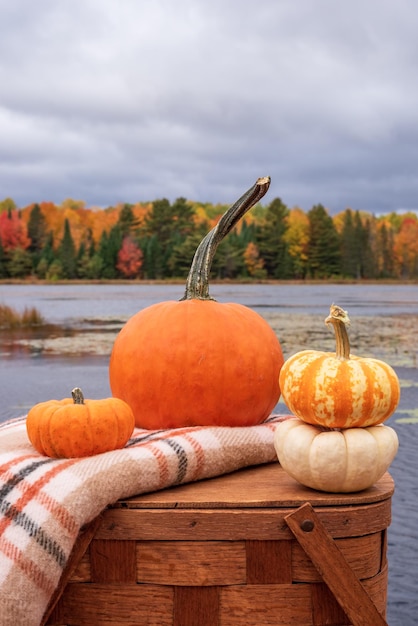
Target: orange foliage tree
[(253, 262), (297, 239), (405, 247)]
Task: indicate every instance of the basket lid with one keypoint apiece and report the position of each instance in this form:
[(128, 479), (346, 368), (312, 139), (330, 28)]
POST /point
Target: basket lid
[(263, 486)]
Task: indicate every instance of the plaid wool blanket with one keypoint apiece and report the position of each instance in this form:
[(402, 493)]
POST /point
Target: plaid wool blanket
[(45, 502)]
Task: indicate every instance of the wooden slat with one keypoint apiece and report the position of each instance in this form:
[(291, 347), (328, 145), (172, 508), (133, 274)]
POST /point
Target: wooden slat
[(82, 573), (254, 605), (200, 524), (112, 561), (191, 563), (325, 608), (269, 562), (330, 563), (117, 605), (80, 547), (263, 486), (384, 548), (363, 554), (377, 588), (196, 606)]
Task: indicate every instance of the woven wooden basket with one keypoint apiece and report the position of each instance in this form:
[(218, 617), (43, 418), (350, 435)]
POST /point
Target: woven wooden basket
[(248, 549)]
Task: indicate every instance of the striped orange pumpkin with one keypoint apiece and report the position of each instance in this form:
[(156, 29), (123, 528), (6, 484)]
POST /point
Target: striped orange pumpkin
[(339, 390)]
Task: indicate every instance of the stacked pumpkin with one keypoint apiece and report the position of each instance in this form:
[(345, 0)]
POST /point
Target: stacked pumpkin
[(337, 442)]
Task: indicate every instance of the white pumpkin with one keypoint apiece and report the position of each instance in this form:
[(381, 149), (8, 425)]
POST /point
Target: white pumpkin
[(338, 461)]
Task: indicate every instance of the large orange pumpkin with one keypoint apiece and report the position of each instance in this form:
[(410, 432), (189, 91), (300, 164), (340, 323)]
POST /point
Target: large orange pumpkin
[(74, 427), (198, 361), (339, 390)]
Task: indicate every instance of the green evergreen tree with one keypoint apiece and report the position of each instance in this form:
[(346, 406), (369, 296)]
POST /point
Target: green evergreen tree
[(229, 259), (324, 255), (363, 238), (20, 263), (182, 255), (41, 269), (109, 246), (158, 229), (248, 233), (127, 222), (166, 228), (67, 253), (350, 247), (271, 243), (82, 261), (183, 217), (385, 245), (153, 255), (55, 271), (37, 229), (48, 252), (94, 266), (102, 250)]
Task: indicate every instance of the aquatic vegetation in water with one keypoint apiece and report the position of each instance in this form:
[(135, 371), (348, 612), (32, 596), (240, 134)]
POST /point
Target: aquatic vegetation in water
[(10, 318), (408, 383), (412, 417)]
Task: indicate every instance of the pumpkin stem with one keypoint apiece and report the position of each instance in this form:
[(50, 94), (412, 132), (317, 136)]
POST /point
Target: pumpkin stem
[(340, 321), (197, 285), (77, 395)]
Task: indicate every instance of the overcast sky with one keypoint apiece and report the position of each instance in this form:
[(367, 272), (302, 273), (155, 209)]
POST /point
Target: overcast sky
[(113, 101)]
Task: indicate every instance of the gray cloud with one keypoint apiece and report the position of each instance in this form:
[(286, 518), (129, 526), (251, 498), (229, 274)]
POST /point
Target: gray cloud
[(125, 101)]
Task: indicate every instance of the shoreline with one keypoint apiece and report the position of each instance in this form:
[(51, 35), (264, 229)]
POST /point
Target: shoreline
[(214, 281), (389, 338)]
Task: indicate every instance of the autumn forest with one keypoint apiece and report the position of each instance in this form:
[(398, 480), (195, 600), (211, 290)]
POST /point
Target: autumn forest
[(157, 240)]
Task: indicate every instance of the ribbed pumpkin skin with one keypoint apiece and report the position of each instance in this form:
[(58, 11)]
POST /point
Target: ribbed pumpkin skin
[(338, 461), (62, 429), (321, 389), (196, 362)]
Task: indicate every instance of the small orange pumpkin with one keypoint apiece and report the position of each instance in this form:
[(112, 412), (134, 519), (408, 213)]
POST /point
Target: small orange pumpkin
[(197, 361), (75, 427), (339, 390)]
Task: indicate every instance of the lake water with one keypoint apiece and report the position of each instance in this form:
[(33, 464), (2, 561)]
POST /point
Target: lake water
[(28, 376), (59, 303)]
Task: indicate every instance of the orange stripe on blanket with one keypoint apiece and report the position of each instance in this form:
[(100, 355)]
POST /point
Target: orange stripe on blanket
[(15, 461), (147, 437), (31, 569), (51, 505), (60, 513), (32, 491), (199, 455), (162, 465)]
